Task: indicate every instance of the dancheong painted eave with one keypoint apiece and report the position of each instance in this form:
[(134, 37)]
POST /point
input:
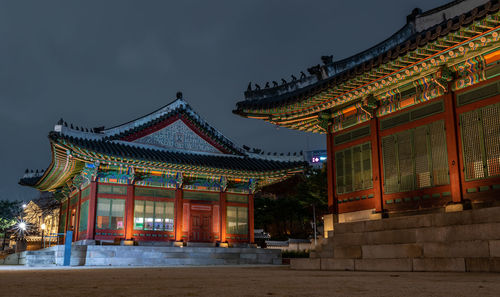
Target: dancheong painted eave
[(416, 53), (74, 149)]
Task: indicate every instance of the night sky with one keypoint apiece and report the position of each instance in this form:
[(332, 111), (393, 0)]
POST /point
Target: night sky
[(97, 63)]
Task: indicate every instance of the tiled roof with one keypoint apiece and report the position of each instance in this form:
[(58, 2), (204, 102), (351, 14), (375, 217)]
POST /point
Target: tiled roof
[(134, 129), (144, 153), (323, 77)]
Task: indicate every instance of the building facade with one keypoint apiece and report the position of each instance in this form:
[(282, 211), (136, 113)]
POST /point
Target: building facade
[(412, 123), (167, 176)]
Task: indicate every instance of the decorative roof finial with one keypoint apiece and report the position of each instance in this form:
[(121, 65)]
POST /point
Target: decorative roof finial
[(179, 95)]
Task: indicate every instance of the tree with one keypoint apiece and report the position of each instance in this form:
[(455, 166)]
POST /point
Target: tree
[(286, 209), (9, 212)]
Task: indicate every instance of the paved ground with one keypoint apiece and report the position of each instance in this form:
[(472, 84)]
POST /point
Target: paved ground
[(239, 281)]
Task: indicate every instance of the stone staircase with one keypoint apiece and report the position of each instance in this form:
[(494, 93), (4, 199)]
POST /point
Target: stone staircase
[(458, 241), (109, 255)]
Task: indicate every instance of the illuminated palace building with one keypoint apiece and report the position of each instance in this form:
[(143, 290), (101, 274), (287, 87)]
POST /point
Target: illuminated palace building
[(167, 176), (412, 123)]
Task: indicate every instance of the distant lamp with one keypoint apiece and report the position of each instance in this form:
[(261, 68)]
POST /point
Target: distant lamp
[(24, 205), (43, 226), (22, 226)]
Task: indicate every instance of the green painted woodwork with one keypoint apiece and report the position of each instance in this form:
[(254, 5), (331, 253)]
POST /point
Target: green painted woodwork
[(84, 216), (480, 146), (478, 94), (236, 198), (109, 189), (154, 192), (110, 214), (415, 158), (413, 115), (86, 192), (237, 220), (459, 53), (353, 169), (352, 135), (201, 196), (484, 188)]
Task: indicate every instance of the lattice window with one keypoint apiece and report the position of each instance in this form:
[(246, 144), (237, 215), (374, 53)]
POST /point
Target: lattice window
[(439, 153), (491, 132), (390, 163), (367, 166), (415, 158), (339, 172), (353, 169), (84, 213), (237, 220), (480, 131), (422, 164), (405, 154), (357, 174)]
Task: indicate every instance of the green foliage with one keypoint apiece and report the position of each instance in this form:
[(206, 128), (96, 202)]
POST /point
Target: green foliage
[(285, 210), (9, 211), (295, 254)]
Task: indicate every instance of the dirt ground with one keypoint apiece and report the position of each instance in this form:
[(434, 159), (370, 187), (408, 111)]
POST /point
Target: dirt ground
[(239, 281)]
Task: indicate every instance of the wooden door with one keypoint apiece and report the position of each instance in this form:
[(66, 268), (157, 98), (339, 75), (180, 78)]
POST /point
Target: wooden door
[(200, 227)]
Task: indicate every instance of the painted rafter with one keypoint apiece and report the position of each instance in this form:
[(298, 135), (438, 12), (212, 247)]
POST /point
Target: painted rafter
[(427, 54)]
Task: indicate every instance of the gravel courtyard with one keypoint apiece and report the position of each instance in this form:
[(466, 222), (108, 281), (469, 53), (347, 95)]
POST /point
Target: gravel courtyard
[(238, 281)]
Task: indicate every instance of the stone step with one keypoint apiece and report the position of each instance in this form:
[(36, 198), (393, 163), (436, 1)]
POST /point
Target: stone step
[(483, 231), (467, 217), (418, 264)]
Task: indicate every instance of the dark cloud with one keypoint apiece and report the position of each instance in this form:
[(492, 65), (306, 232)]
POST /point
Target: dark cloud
[(106, 62)]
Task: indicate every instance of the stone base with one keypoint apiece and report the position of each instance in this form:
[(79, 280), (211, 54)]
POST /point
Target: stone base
[(356, 216), (454, 207), (108, 255)]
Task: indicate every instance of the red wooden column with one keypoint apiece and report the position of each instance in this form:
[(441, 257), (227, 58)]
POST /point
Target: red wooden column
[(452, 145), (59, 220), (92, 209), (77, 216), (223, 214), (129, 212), (250, 218), (67, 216), (178, 214), (330, 163), (376, 166)]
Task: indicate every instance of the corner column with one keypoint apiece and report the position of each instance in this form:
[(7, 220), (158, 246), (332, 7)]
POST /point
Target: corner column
[(251, 219), (332, 203), (68, 217), (452, 146), (129, 212), (92, 209), (77, 216), (223, 214), (178, 214), (376, 166)]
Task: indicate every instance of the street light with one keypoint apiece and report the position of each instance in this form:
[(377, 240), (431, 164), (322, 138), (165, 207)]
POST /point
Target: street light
[(43, 226), (22, 226), (24, 205)]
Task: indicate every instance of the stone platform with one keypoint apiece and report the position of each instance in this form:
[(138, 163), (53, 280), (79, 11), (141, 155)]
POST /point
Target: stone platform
[(457, 241), (114, 255)]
